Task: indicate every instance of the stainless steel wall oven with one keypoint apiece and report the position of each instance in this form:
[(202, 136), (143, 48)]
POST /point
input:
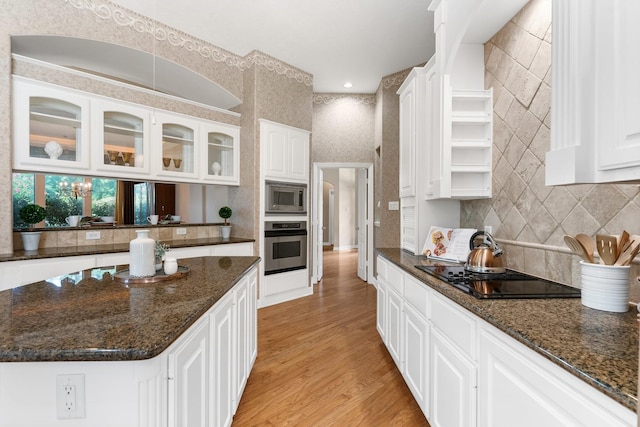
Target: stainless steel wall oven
[(285, 246)]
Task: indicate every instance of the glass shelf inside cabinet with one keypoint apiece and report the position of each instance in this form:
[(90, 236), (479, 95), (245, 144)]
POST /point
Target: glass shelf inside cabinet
[(54, 129), (220, 154), (177, 148), (123, 139)]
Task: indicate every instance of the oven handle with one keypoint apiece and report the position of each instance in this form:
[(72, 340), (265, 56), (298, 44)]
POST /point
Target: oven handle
[(283, 233)]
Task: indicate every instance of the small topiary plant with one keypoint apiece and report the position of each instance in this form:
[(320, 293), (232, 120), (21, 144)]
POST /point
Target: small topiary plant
[(225, 213), (32, 214)]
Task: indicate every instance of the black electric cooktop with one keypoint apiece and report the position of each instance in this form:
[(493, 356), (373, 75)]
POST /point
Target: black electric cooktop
[(510, 284)]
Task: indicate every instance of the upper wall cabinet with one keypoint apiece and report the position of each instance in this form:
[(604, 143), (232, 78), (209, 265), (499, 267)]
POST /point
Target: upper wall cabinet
[(446, 130), (51, 128), (221, 162), (120, 135), (595, 101), (177, 149), (285, 152), (59, 129)]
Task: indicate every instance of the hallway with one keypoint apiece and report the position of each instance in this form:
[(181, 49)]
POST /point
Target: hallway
[(321, 361)]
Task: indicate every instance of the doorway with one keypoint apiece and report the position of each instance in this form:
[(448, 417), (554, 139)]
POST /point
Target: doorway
[(358, 226)]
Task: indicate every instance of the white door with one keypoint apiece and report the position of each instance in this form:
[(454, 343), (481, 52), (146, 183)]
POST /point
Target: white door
[(362, 223), (316, 219)]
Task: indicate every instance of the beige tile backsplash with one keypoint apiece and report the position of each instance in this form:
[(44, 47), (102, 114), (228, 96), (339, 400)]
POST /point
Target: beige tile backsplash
[(523, 209), (72, 238)]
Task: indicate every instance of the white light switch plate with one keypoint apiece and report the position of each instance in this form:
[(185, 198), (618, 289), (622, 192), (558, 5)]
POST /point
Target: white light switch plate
[(181, 231), (394, 206)]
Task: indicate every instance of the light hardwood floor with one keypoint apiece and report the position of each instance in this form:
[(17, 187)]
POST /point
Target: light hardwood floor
[(321, 361)]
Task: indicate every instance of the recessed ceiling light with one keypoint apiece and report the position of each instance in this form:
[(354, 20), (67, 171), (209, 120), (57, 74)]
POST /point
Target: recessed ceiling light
[(348, 85)]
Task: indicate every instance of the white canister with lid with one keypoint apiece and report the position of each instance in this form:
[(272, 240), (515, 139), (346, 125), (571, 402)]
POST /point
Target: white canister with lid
[(142, 255), (170, 266)]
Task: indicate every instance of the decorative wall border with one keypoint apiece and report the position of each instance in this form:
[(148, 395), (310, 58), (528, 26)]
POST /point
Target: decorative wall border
[(272, 64), (395, 79), (329, 98), (127, 18)]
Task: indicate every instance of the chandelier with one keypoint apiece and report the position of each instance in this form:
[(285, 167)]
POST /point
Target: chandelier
[(75, 189)]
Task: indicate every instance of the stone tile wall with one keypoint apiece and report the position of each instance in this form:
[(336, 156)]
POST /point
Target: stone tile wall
[(527, 216)]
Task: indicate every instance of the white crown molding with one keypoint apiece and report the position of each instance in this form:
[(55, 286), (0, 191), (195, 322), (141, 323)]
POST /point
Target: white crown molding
[(127, 18), (328, 98)]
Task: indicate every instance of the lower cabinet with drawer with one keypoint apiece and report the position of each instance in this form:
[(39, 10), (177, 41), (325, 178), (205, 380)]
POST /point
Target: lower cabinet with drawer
[(463, 371)]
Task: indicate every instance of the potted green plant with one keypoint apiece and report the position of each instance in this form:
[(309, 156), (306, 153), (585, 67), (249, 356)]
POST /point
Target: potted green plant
[(225, 213), (32, 214), (160, 250)]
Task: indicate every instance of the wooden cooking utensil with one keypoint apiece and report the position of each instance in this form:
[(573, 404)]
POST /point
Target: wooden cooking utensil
[(630, 251), (622, 240), (588, 244), (576, 247), (607, 247)]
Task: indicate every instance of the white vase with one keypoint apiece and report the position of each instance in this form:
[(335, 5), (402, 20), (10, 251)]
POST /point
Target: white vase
[(142, 255), (226, 231), (31, 240)]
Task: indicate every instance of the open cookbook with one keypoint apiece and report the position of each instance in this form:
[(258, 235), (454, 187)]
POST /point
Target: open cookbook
[(451, 244)]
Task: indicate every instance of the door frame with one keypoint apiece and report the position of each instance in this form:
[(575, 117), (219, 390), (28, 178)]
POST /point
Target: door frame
[(317, 221)]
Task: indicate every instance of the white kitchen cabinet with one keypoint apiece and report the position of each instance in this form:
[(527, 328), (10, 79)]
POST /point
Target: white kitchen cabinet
[(415, 355), (285, 152), (120, 135), (252, 323), (394, 325), (221, 156), (422, 202), (595, 136), (50, 128), (519, 387), (408, 119), (176, 141), (223, 366), (381, 308), (453, 385), (99, 136), (474, 373), (188, 374)]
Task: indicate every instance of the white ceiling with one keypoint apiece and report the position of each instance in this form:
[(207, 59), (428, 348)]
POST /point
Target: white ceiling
[(337, 41)]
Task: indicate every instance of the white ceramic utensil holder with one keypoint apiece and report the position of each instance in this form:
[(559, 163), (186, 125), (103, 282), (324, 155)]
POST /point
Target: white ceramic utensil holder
[(605, 287), (142, 255)]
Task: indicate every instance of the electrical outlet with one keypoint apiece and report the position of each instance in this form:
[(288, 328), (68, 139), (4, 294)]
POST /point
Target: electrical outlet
[(488, 229), (93, 235), (70, 398), (181, 231), (394, 206)]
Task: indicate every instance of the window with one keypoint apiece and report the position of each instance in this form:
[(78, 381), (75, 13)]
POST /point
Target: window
[(47, 190)]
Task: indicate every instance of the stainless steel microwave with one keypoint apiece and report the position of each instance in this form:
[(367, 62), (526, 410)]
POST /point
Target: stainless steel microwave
[(285, 198)]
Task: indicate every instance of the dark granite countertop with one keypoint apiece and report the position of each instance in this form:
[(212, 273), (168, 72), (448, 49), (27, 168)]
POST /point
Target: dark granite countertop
[(113, 248), (89, 316), (600, 348)]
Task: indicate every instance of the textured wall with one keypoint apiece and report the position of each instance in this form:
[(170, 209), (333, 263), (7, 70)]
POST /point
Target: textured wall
[(388, 234), (343, 127), (523, 209)]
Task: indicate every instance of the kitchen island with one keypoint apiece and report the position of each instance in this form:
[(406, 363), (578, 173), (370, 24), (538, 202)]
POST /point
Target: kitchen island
[(556, 355), (135, 345)]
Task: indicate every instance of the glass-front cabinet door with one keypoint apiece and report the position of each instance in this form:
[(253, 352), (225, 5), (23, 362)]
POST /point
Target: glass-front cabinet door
[(222, 156), (177, 149), (51, 128), (121, 144)]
